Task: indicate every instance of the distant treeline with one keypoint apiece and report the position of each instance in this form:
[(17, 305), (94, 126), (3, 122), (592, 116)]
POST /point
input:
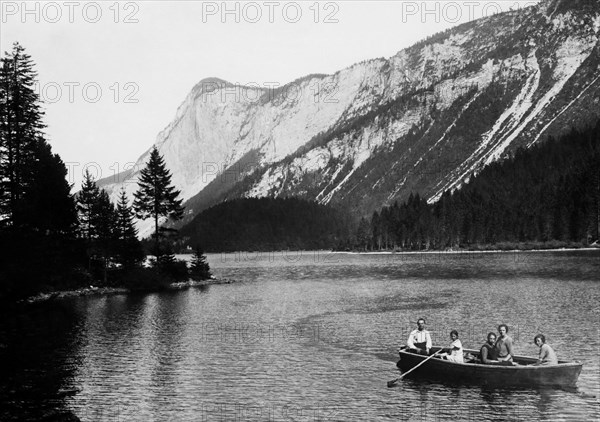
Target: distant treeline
[(256, 224), (547, 193)]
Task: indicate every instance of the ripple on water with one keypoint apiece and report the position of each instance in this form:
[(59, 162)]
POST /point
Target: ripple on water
[(312, 338)]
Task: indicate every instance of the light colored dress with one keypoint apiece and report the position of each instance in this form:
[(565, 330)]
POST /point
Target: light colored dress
[(456, 355)]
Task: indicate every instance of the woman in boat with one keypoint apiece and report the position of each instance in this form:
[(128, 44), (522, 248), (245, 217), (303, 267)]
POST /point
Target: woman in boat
[(456, 350), (547, 355), (488, 353), (504, 344)]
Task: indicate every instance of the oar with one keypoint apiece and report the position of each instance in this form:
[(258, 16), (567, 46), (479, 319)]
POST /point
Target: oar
[(390, 384)]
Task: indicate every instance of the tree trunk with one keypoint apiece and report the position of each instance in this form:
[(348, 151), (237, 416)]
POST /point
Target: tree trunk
[(105, 271), (156, 236), (598, 206)]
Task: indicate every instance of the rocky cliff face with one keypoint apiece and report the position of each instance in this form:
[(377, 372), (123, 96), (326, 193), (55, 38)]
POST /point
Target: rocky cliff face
[(423, 120)]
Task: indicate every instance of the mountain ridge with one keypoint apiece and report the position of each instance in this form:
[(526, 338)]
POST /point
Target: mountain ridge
[(422, 120)]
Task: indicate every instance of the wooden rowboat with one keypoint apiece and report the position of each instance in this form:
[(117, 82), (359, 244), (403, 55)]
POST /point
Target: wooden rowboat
[(563, 375)]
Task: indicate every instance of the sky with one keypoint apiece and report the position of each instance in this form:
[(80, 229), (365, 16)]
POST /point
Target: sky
[(112, 74)]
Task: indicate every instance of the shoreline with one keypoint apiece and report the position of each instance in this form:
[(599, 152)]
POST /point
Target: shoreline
[(466, 251), (110, 291), (186, 256)]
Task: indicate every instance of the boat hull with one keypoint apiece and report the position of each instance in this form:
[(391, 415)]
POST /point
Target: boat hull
[(563, 375)]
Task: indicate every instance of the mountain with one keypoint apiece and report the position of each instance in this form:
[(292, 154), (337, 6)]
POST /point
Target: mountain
[(424, 120)]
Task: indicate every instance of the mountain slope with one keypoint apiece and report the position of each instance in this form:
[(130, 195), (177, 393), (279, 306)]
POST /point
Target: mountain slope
[(423, 120)]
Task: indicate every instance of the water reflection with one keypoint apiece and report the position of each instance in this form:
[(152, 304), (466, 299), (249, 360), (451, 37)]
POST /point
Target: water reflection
[(311, 338), (41, 351), (169, 319)]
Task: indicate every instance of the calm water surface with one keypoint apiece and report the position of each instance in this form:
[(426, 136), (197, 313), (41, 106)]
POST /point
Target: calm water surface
[(304, 337)]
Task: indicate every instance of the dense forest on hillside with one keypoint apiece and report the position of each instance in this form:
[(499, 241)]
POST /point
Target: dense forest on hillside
[(255, 224), (547, 193)]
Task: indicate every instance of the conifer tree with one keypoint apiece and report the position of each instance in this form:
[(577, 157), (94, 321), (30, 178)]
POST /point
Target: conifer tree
[(156, 197), (37, 211), (20, 132), (128, 247), (86, 203), (103, 218), (102, 224), (199, 268), (49, 203), (363, 235)]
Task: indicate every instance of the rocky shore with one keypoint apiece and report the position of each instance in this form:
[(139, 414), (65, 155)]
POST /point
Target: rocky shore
[(106, 291)]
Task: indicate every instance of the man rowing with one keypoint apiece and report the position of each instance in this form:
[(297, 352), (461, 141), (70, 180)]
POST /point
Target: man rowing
[(419, 340)]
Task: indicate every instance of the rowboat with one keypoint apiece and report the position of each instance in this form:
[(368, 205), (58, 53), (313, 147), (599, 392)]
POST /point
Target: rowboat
[(564, 374)]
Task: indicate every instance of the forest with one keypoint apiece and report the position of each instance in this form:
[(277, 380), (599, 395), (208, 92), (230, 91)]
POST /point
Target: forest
[(267, 224), (544, 196), (54, 240)]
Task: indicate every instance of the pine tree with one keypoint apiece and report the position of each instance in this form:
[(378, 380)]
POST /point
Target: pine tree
[(156, 197), (97, 220), (86, 201), (37, 211), (49, 206), (128, 247), (199, 268), (103, 218), (363, 236), (20, 132), (102, 223)]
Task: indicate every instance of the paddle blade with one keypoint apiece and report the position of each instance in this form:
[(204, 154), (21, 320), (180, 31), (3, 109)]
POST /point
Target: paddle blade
[(392, 383)]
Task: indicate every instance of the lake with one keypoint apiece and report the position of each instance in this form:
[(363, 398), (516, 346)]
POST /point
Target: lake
[(305, 336)]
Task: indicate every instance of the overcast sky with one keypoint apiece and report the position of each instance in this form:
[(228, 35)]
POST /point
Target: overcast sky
[(138, 60)]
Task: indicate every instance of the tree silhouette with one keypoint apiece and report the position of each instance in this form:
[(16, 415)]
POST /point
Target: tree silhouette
[(48, 205), (20, 132), (156, 197), (37, 211), (199, 268), (128, 247), (86, 201), (103, 225)]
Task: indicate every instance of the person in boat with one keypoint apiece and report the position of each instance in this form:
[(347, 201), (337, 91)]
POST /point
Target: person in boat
[(488, 353), (547, 354), (455, 351), (504, 345), (419, 340)]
